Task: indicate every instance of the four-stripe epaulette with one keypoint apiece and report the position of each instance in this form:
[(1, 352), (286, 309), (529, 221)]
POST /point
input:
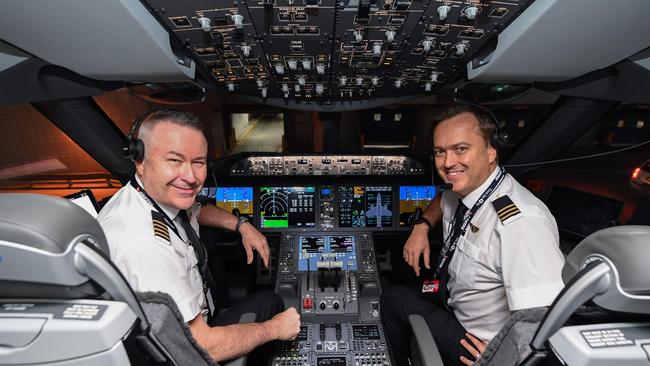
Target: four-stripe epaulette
[(506, 209), (160, 229)]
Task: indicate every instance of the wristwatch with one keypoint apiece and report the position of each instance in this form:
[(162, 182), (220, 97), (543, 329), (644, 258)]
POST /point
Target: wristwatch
[(240, 221), (423, 220)]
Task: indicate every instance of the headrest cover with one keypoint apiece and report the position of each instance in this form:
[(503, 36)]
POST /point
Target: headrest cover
[(46, 222), (627, 247)]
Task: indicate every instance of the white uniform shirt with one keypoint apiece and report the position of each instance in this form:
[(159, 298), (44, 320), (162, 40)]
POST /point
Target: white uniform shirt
[(149, 262), (499, 267)]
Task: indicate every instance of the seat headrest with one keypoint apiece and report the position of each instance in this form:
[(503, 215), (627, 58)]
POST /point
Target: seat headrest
[(626, 247), (45, 222)]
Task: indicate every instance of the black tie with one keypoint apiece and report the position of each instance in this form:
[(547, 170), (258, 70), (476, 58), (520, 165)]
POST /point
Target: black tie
[(201, 254), (456, 231)]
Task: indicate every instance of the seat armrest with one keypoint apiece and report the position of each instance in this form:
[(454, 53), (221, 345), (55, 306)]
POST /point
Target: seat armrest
[(426, 346), (241, 361)]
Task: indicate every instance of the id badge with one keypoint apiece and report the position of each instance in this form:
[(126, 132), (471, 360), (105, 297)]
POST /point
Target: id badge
[(430, 286)]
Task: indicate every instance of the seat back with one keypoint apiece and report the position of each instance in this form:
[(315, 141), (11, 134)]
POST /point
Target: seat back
[(64, 302)]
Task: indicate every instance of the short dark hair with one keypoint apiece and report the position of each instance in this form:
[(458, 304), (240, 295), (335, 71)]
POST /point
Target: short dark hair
[(152, 118), (486, 123)]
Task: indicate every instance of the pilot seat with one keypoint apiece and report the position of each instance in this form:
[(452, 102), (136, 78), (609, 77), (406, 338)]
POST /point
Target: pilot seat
[(63, 302)]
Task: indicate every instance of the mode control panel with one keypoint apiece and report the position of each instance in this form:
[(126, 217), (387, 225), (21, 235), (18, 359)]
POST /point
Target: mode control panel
[(337, 165)]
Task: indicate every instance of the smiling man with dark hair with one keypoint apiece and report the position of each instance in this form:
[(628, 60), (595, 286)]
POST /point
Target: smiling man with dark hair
[(500, 254)]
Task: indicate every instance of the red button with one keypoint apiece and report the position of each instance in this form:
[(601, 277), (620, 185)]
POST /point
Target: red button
[(307, 302)]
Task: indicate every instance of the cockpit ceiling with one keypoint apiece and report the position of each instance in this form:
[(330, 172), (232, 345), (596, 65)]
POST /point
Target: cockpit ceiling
[(327, 50)]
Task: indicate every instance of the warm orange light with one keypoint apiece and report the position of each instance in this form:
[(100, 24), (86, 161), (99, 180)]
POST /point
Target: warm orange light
[(636, 173)]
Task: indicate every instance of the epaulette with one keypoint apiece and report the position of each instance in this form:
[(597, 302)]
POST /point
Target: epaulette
[(160, 229), (506, 209)]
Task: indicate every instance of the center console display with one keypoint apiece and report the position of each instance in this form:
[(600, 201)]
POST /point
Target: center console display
[(332, 248), (240, 198), (412, 198), (287, 207), (369, 206)]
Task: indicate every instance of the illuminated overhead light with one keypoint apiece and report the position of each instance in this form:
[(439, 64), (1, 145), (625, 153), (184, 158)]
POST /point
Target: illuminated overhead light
[(320, 68), (390, 36), (293, 64), (636, 172), (205, 24), (426, 44), (306, 64), (231, 87), (376, 49), (471, 12), (460, 48), (427, 86), (443, 11), (301, 81), (238, 19), (375, 80), (279, 68), (359, 80), (319, 89), (358, 36), (343, 80), (398, 83), (285, 88), (264, 91), (246, 49)]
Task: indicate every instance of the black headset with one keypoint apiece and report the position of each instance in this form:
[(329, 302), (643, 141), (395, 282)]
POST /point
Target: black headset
[(499, 138), (133, 147)]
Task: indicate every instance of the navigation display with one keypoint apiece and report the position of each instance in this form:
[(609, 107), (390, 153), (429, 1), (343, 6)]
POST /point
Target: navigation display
[(411, 198), (241, 198), (361, 206), (338, 248), (287, 207)]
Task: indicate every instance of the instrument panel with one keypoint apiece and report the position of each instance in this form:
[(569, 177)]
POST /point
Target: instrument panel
[(325, 207)]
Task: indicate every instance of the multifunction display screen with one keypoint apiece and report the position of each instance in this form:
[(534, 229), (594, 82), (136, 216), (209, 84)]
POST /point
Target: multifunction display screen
[(287, 207), (365, 206), (240, 198), (337, 248), (412, 198)]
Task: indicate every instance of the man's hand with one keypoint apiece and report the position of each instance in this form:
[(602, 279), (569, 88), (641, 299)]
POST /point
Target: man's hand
[(416, 245), (285, 325), (475, 349), (254, 240)]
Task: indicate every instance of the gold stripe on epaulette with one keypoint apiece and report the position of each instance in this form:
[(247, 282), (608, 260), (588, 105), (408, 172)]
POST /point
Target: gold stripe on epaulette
[(506, 208), (507, 216), (503, 213), (158, 224)]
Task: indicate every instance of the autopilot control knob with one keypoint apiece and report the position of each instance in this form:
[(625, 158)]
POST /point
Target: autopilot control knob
[(426, 44), (460, 49), (390, 35), (322, 305)]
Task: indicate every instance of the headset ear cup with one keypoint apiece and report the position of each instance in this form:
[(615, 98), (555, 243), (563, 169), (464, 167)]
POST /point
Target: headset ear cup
[(133, 149), (138, 149)]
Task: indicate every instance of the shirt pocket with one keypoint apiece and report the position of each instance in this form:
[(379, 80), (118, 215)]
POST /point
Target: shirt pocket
[(467, 262)]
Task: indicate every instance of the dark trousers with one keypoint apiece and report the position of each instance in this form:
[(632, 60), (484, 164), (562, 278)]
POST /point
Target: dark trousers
[(264, 304), (397, 303)]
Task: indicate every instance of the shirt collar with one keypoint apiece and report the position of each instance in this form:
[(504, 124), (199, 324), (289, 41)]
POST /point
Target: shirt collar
[(171, 212), (474, 195)]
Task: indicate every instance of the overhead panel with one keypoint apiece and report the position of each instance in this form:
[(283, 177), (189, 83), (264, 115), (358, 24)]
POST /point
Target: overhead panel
[(328, 50)]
